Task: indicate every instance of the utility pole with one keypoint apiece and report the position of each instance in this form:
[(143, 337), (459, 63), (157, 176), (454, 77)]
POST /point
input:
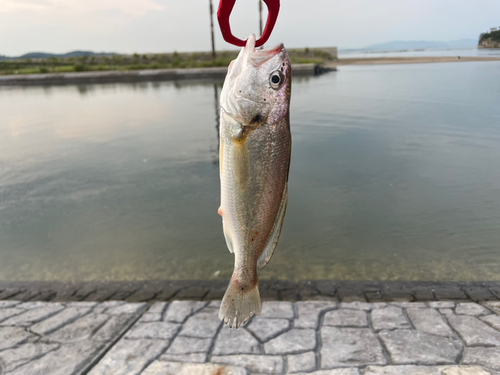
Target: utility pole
[(260, 16), (212, 29)]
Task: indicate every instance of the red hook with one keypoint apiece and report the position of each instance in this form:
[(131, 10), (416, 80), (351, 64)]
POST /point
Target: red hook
[(225, 9)]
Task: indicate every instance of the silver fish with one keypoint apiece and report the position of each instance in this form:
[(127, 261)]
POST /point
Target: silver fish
[(255, 146)]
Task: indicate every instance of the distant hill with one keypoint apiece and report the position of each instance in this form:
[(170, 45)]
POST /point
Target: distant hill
[(43, 55), (423, 44)]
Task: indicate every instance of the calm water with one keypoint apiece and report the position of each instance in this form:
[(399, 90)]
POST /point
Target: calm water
[(395, 175), (489, 52)]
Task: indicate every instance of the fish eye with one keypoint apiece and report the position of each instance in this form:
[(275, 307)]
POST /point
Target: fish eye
[(275, 79)]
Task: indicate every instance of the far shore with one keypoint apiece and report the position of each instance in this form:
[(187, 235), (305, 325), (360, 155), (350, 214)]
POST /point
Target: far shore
[(116, 76), (409, 60)]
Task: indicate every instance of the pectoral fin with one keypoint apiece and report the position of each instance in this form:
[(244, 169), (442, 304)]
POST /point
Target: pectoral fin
[(274, 236)]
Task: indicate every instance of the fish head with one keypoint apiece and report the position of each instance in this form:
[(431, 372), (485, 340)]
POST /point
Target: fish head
[(257, 85)]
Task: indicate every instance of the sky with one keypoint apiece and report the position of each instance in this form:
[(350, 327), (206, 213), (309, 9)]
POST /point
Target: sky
[(129, 26)]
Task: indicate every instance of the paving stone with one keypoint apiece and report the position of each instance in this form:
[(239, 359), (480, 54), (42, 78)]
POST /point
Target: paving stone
[(79, 330), (81, 304), (193, 357), (399, 297), (204, 324), (113, 327), (10, 312), (255, 363), (12, 336), (141, 296), (346, 318), (231, 341), (83, 291), (493, 305), (292, 342), (5, 304), (422, 294), (153, 330), (266, 329), (9, 293), (129, 357), (151, 317), (68, 359), (34, 305), (175, 368), (389, 317), (479, 293), (442, 304), (492, 320), (358, 305), (343, 347), (111, 304), (454, 292), (376, 296), (178, 311), (429, 321), (22, 354), (488, 357), (158, 308), (60, 319), (187, 345), (304, 362), (473, 331), (420, 305), (129, 308), (277, 309), (33, 315), (415, 347), (214, 304), (463, 370), (309, 311), (101, 294), (166, 294), (326, 287), (446, 312), (192, 293), (402, 370), (424, 370), (470, 308), (340, 371)]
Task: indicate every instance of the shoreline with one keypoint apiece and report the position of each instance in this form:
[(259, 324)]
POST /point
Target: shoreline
[(409, 60), (129, 76), (270, 290), (151, 75)]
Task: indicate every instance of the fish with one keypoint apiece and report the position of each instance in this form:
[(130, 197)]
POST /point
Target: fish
[(254, 160)]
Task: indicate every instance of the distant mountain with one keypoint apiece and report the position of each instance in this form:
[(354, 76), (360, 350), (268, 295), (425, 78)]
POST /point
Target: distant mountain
[(43, 55), (423, 44)]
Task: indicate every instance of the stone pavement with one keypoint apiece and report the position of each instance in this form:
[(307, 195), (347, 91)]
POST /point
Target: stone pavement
[(186, 337), (270, 290)]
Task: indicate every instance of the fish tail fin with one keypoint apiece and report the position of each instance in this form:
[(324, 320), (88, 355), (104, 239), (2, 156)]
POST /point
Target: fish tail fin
[(240, 304)]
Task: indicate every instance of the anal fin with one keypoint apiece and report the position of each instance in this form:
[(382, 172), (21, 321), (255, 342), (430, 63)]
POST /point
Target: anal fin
[(274, 236)]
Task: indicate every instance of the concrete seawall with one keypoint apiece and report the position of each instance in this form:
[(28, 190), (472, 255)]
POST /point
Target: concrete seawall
[(136, 75)]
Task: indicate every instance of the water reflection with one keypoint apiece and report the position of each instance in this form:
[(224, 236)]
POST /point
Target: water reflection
[(393, 176)]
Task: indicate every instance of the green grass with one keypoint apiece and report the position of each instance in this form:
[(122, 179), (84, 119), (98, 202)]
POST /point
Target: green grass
[(150, 61)]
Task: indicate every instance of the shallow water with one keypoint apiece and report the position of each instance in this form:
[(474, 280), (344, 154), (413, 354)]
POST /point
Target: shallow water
[(394, 176), (484, 52)]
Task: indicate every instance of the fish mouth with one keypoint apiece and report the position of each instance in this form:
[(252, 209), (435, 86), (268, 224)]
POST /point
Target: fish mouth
[(258, 57)]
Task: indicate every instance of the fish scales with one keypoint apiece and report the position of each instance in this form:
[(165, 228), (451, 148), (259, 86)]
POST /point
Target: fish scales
[(255, 147)]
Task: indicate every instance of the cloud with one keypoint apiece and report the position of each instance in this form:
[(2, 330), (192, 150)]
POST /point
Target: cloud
[(78, 7)]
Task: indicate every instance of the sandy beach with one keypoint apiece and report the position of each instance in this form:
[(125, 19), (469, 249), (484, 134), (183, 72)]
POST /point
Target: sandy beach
[(409, 60)]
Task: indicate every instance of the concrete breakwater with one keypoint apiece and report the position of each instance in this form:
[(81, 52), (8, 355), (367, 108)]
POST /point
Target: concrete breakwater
[(138, 75)]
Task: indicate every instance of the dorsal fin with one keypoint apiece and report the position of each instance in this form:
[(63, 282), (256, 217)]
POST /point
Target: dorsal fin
[(274, 236)]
